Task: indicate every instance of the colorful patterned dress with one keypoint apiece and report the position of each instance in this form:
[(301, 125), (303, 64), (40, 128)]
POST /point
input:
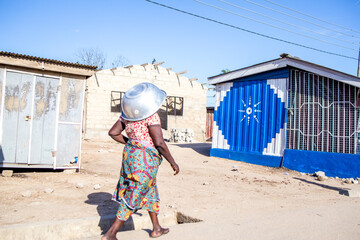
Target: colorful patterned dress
[(137, 188)]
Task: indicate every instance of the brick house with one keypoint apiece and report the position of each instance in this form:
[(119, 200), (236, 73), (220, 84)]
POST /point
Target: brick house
[(184, 109)]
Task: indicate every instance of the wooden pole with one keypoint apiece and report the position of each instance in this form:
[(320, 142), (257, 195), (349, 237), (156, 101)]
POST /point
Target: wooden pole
[(358, 62), (157, 64), (181, 72)]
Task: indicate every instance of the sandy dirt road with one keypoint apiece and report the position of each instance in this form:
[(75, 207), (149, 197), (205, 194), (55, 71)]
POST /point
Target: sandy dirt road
[(235, 200)]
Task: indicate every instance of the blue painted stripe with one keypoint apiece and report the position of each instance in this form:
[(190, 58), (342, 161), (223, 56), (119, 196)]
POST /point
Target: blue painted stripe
[(275, 74), (265, 116), (258, 132), (333, 164), (234, 117), (253, 158)]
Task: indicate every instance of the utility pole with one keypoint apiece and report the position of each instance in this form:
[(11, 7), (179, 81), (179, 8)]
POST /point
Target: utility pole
[(358, 62)]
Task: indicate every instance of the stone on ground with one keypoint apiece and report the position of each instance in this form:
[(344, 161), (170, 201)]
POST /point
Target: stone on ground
[(7, 173)]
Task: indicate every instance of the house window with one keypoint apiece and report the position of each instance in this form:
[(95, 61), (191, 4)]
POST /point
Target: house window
[(175, 106), (116, 98)]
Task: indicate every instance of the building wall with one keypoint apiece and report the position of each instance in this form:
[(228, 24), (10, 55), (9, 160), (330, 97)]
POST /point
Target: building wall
[(320, 115), (98, 115), (249, 118)]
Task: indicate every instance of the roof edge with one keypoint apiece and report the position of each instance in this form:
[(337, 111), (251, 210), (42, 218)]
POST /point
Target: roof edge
[(286, 60), (47, 60)]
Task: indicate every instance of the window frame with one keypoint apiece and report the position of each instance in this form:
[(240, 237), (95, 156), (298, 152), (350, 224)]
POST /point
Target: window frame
[(175, 104), (113, 107)]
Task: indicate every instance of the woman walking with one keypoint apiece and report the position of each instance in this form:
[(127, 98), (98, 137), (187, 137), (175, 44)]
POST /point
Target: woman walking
[(142, 156)]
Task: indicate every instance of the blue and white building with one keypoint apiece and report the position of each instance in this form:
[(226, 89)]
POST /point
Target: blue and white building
[(289, 113)]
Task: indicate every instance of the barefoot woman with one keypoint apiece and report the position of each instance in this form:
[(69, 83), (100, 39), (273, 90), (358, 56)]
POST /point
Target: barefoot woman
[(142, 156)]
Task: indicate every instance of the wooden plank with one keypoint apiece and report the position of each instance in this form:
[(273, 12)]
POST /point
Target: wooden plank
[(158, 64), (185, 71)]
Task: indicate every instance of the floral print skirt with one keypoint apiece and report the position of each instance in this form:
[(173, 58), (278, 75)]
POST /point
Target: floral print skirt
[(137, 188)]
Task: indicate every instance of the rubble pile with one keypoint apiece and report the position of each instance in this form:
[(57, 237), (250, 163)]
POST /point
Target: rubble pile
[(182, 135)]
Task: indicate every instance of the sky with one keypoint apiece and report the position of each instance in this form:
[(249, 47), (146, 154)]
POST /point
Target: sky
[(141, 31)]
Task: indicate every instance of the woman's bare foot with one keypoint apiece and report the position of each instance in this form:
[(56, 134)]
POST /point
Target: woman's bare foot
[(115, 227), (159, 232), (108, 238)]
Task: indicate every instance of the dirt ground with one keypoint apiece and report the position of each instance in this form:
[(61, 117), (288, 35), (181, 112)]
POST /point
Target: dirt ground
[(254, 201)]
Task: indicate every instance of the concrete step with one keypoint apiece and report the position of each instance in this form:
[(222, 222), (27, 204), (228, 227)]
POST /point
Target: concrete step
[(81, 228), (188, 231)]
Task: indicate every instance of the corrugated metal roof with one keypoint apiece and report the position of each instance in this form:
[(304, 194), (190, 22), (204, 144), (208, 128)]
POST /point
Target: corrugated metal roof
[(28, 57), (285, 61)]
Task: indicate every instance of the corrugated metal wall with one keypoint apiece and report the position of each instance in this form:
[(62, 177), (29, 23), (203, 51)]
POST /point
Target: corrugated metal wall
[(37, 126), (250, 115)]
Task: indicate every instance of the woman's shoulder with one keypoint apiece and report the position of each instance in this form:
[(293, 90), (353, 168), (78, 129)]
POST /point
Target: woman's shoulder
[(122, 119), (153, 119)]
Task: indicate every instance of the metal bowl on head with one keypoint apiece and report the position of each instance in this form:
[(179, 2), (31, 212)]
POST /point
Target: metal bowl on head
[(141, 101)]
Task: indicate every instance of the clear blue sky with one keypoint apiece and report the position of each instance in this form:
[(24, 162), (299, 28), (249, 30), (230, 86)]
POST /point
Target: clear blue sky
[(141, 31)]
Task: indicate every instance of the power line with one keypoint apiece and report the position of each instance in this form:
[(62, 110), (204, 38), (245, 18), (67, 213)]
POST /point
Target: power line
[(284, 29), (301, 19), (249, 31), (313, 17), (304, 28)]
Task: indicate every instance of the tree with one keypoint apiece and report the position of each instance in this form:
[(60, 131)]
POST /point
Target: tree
[(225, 71), (120, 61), (91, 56)]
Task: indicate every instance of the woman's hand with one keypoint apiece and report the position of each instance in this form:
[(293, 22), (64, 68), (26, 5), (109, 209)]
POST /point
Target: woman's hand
[(176, 168)]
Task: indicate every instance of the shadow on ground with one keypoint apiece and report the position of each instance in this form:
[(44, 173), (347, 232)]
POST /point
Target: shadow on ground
[(107, 210), (201, 148), (341, 191)]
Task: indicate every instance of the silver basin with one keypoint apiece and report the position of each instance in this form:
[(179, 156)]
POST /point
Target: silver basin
[(141, 101)]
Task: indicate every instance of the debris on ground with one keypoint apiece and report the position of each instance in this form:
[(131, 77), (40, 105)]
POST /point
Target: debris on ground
[(26, 193), (48, 190), (320, 175), (7, 173)]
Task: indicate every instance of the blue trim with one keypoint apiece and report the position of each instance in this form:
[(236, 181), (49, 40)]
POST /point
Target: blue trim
[(333, 164), (253, 158), (273, 74)]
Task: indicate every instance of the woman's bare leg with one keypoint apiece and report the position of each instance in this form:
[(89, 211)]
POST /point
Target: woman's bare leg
[(115, 227), (157, 229)]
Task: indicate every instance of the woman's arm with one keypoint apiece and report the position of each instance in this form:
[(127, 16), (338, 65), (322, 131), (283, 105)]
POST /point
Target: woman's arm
[(160, 145), (116, 130)]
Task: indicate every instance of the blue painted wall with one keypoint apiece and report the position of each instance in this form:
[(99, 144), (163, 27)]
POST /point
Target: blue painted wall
[(333, 164), (249, 117), (247, 135), (253, 158)]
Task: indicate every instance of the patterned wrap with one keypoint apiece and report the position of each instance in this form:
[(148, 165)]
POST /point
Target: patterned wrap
[(137, 188)]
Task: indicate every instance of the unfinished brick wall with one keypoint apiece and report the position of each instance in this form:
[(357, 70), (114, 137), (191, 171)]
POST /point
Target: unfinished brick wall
[(99, 118)]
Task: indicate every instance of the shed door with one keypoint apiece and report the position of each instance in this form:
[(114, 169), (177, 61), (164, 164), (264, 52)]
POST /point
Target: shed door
[(16, 124), (43, 120), (29, 119)]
